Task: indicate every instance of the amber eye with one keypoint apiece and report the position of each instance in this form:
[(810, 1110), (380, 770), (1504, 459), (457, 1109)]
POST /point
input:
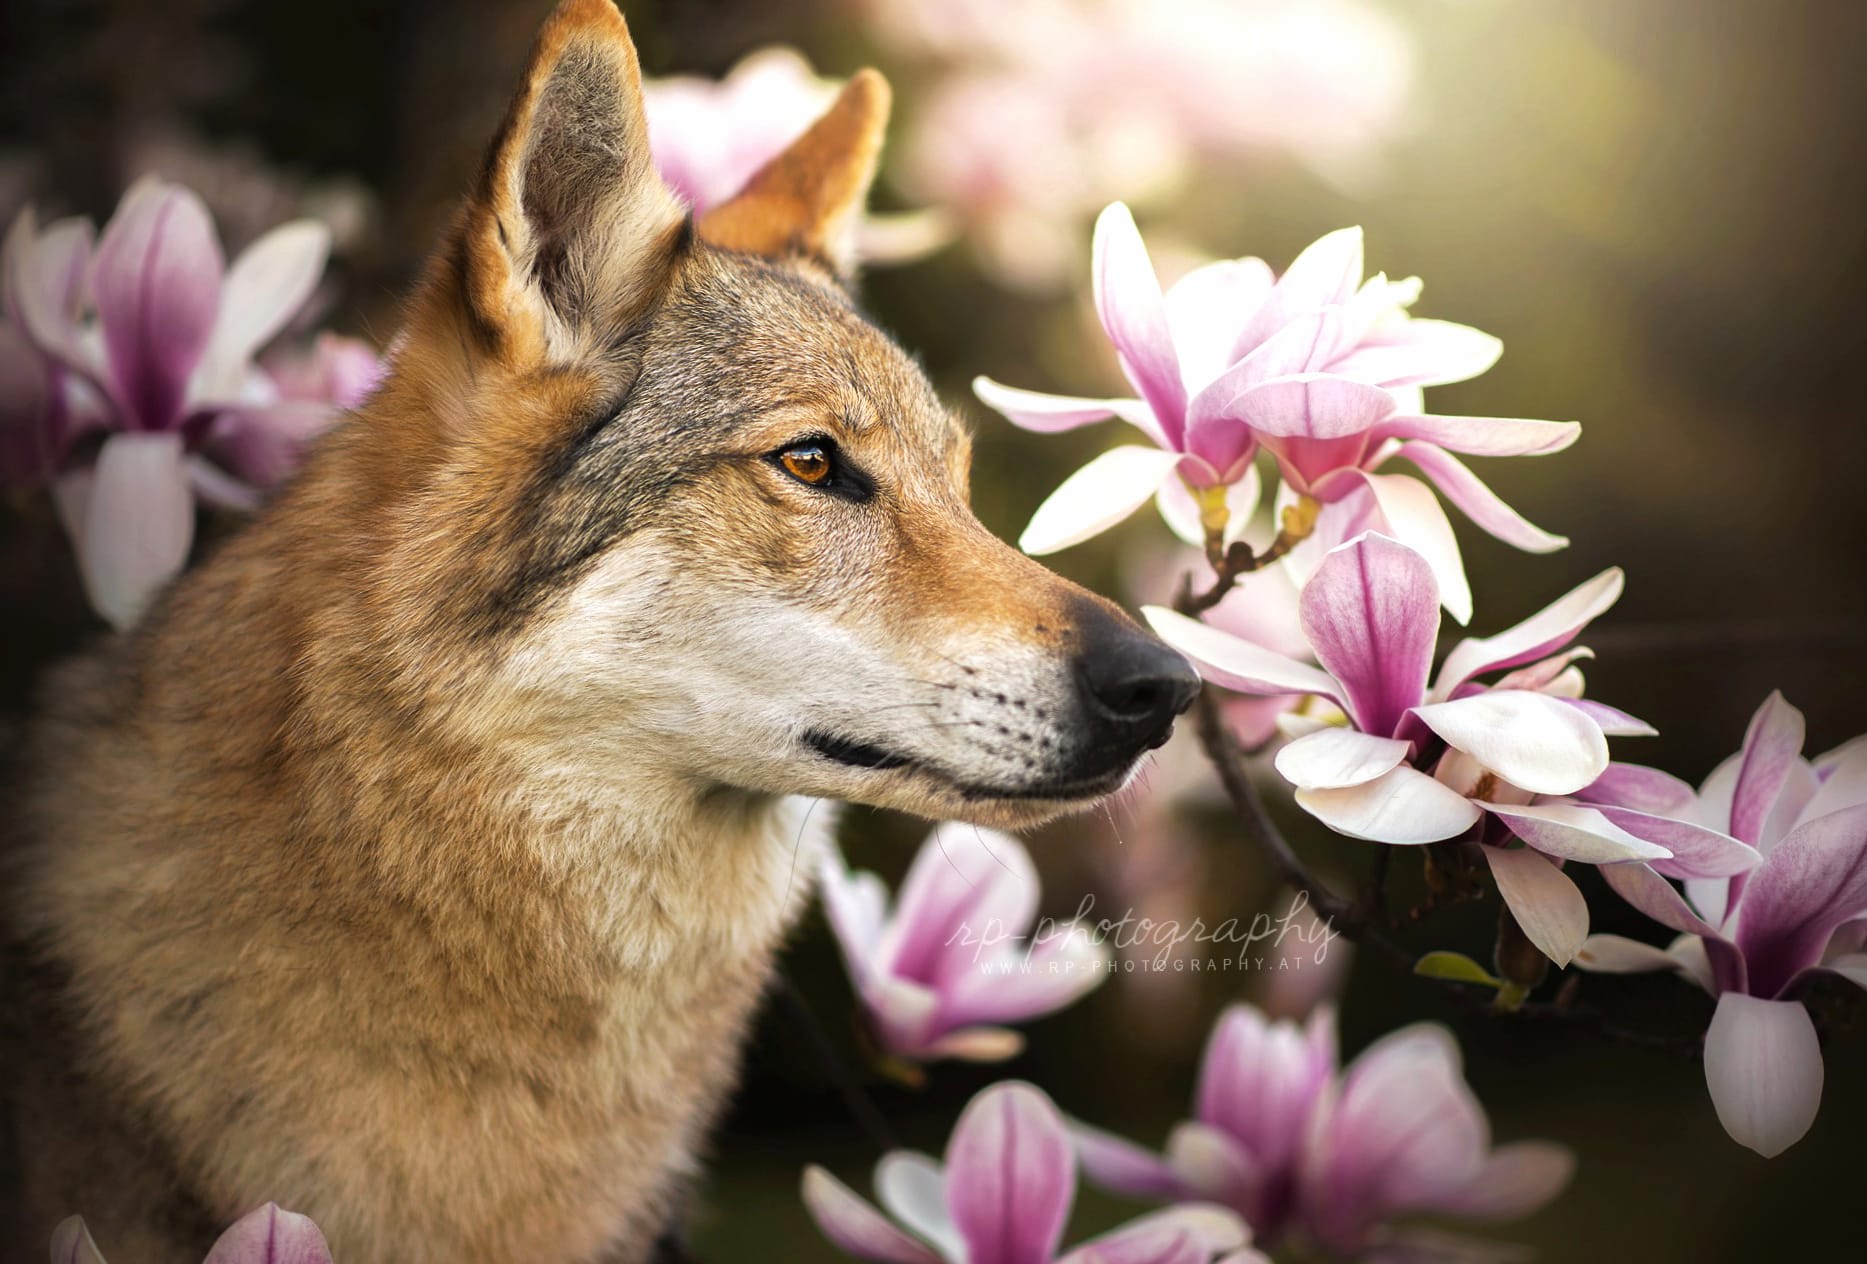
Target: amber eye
[(807, 463)]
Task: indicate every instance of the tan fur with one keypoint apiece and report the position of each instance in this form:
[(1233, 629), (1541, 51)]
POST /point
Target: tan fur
[(420, 859)]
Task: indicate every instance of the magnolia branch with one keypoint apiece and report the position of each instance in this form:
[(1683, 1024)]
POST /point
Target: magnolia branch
[(1365, 921)]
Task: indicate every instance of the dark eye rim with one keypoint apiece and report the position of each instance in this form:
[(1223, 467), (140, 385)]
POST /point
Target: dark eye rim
[(846, 480)]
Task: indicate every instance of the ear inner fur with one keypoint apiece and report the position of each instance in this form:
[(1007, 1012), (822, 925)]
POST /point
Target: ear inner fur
[(571, 227), (807, 199)]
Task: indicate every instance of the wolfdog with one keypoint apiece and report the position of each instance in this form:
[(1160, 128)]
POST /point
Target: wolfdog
[(419, 859)]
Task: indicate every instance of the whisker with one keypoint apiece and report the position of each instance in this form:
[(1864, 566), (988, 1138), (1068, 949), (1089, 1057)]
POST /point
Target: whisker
[(797, 845)]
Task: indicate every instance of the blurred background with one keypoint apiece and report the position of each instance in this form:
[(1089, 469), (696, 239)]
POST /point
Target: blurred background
[(1656, 205)]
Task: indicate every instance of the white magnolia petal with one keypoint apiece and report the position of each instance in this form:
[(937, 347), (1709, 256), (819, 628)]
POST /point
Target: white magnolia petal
[(1415, 517), (1236, 663), (263, 290), (1544, 632), (855, 1226), (1048, 414), (1617, 954), (1763, 1065), (1096, 497), (1536, 743), (1404, 806), (912, 1188), (138, 523), (1574, 831), (1546, 903), (1332, 758)]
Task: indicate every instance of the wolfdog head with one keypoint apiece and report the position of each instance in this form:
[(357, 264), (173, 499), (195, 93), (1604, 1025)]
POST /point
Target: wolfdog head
[(710, 519)]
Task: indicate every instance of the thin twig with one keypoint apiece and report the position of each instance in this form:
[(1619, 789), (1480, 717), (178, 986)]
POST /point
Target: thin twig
[(1364, 923)]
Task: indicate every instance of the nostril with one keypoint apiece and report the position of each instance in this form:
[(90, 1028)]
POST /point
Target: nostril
[(1139, 680)]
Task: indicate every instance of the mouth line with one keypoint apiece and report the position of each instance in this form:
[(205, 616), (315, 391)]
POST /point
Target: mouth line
[(856, 754), (872, 758)]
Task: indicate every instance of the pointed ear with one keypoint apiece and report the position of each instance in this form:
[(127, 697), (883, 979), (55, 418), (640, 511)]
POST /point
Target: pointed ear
[(808, 200), (571, 229)]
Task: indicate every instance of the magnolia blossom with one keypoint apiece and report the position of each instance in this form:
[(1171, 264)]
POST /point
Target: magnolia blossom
[(1750, 939), (709, 137), (1302, 1152), (1003, 1196), (1417, 765), (957, 958), (1322, 368), (269, 1235), (147, 341)]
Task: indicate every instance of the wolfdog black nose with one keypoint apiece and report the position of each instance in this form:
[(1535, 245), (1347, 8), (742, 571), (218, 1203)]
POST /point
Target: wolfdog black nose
[(1133, 681)]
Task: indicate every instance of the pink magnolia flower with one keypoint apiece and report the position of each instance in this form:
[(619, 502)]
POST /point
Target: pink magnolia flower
[(957, 958), (1320, 367), (269, 1235), (1303, 1153), (1003, 1196), (709, 137), (1417, 765), (1258, 1084), (1402, 1134), (1750, 938), (164, 370)]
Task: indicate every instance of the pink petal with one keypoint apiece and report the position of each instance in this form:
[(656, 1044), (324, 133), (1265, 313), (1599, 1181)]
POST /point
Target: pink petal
[(1697, 852), (1300, 347), (1332, 758), (1027, 979), (1011, 1176), (1543, 633), (1532, 741), (1314, 406), (138, 523), (1483, 436), (968, 885), (1259, 1080), (1414, 517), (1771, 745), (1638, 787), (1208, 307), (264, 444), (855, 904), (72, 1243), (1326, 274), (1612, 721), (157, 280), (1236, 663), (1189, 1234), (1808, 885), (1048, 414), (1417, 352), (265, 288), (855, 1226), (1573, 831), (1763, 1065), (1096, 497), (1371, 613), (1405, 806), (271, 1236), (1516, 1180), (1547, 905), (1128, 300), (45, 274), (1482, 505), (1116, 1163)]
